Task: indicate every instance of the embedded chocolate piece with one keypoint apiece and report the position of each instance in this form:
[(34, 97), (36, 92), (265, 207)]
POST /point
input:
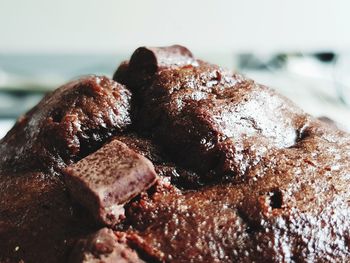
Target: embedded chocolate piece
[(155, 58), (146, 61), (104, 246), (107, 179)]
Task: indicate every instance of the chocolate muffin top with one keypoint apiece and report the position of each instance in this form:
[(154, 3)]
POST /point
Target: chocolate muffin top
[(175, 160)]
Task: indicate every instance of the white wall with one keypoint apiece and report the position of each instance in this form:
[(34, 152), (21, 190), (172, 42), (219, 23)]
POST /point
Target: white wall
[(207, 25)]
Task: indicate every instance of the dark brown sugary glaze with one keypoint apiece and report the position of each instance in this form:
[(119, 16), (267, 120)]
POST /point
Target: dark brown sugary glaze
[(244, 175)]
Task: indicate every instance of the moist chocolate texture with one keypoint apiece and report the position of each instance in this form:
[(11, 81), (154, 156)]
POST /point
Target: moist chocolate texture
[(107, 179), (174, 160), (104, 246)]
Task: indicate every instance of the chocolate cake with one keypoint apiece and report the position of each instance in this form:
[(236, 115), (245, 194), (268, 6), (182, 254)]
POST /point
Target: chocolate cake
[(174, 160)]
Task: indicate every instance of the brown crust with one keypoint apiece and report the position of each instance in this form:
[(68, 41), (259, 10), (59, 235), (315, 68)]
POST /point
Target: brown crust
[(245, 175)]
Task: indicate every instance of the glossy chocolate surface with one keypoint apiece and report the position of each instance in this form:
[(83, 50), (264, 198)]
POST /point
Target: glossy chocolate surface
[(243, 174)]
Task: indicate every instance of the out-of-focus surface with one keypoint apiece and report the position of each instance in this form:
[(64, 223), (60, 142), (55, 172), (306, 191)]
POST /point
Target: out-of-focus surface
[(110, 26), (318, 82), (43, 44), (5, 125), (320, 86), (24, 78)]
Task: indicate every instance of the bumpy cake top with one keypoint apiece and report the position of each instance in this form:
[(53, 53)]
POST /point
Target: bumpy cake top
[(182, 161)]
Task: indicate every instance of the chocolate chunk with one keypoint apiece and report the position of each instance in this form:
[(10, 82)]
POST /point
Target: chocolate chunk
[(104, 246), (107, 179), (146, 61), (153, 58)]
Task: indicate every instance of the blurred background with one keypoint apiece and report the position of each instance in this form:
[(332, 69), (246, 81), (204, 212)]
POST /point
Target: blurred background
[(300, 48)]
